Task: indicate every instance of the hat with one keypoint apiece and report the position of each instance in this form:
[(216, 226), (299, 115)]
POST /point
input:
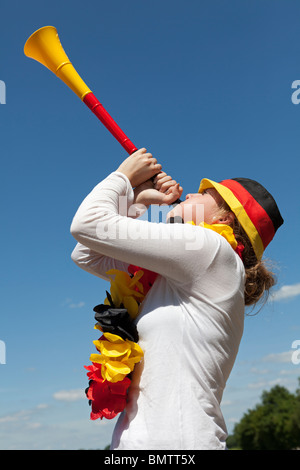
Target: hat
[(253, 206)]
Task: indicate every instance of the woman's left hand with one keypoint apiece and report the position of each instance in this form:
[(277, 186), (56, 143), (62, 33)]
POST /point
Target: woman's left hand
[(139, 167)]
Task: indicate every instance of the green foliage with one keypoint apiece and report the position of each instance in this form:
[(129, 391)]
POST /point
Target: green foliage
[(274, 424)]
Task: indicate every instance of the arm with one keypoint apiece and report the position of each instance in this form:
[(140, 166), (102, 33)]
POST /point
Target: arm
[(158, 190), (166, 249), (95, 263)]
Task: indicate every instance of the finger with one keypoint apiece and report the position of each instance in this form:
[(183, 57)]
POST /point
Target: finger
[(162, 177), (178, 190), (167, 186), (174, 193), (148, 159), (161, 174), (152, 162), (160, 181), (156, 167), (175, 190), (157, 177), (147, 155), (138, 152)]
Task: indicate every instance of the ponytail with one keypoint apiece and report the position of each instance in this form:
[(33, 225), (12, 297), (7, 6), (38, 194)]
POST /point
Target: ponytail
[(259, 279)]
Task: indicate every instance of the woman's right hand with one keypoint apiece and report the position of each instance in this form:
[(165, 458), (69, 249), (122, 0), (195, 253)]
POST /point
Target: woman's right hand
[(139, 167), (161, 189)]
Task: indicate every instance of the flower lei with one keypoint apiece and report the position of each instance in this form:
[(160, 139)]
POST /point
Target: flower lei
[(117, 348)]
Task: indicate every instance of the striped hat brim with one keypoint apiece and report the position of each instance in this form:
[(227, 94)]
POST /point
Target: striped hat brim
[(253, 206)]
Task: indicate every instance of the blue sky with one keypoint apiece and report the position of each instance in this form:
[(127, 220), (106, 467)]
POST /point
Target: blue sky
[(206, 86)]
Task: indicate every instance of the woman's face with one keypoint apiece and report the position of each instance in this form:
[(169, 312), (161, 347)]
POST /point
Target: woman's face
[(200, 207)]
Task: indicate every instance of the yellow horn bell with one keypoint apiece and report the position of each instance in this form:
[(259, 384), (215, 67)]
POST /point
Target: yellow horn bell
[(45, 47)]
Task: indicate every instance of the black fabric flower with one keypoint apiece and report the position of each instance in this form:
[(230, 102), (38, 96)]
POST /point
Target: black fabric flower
[(116, 321)]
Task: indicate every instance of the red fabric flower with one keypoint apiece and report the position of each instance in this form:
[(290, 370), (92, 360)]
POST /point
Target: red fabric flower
[(146, 280), (239, 249), (95, 372), (107, 398)]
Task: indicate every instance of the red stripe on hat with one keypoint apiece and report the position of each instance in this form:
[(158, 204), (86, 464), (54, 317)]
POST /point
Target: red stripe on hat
[(255, 211)]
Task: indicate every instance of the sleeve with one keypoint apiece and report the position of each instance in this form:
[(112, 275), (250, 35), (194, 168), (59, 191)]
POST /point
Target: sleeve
[(95, 263), (167, 249)]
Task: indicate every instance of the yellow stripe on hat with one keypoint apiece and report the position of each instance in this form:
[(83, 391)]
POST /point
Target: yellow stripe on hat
[(240, 213)]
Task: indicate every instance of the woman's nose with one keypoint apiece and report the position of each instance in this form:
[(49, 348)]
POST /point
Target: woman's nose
[(188, 196)]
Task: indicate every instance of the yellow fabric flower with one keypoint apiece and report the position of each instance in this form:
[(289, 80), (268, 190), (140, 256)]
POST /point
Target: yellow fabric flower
[(224, 230), (126, 290), (118, 356)]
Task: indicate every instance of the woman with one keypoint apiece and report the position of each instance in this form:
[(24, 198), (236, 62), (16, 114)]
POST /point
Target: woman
[(191, 321)]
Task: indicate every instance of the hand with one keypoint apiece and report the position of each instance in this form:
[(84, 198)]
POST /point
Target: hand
[(163, 190), (139, 167)]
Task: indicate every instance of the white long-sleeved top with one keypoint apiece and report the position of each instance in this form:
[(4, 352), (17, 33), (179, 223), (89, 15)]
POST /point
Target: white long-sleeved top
[(190, 323)]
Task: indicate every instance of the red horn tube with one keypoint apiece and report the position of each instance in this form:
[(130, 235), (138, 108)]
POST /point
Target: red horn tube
[(97, 108)]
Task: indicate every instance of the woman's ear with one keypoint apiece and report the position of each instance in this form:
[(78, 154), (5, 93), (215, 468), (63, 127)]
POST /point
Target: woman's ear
[(226, 219)]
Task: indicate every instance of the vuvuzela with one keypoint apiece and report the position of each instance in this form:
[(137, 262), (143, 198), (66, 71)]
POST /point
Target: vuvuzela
[(45, 47)]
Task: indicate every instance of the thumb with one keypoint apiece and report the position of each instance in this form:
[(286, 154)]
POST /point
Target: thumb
[(173, 194)]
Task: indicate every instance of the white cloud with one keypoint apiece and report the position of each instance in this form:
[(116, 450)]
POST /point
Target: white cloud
[(69, 395), (79, 305), (34, 426), (227, 403), (20, 415), (42, 406), (233, 420), (279, 358), (295, 371), (23, 415), (286, 292), (68, 303), (264, 384), (257, 371)]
